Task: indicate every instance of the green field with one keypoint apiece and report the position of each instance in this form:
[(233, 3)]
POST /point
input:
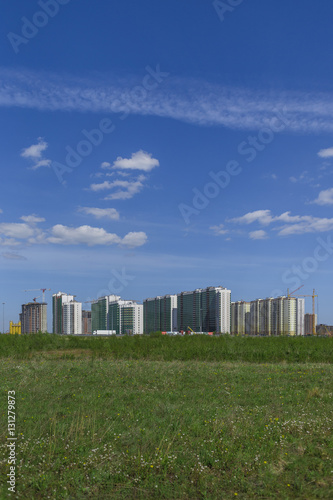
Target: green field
[(176, 418)]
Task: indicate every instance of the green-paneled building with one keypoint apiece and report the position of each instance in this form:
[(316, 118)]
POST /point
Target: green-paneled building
[(204, 310), (160, 314), (121, 316)]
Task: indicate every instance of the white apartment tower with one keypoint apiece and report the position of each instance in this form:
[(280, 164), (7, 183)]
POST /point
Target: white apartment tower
[(72, 318)]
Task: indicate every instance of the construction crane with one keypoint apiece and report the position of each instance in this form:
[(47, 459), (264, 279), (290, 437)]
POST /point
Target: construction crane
[(35, 298), (313, 309), (39, 289), (289, 294)]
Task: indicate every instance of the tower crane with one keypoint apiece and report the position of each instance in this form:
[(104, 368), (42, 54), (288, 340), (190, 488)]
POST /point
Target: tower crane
[(289, 294), (313, 309), (39, 289)]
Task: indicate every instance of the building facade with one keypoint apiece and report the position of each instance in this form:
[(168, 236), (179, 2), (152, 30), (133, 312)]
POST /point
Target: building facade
[(277, 316), (86, 322), (240, 318), (58, 300), (72, 318), (204, 310), (100, 312), (308, 324), (33, 317), (121, 316), (126, 317), (160, 314)]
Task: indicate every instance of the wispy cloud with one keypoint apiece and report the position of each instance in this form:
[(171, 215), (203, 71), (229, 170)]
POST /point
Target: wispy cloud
[(32, 219), (286, 224), (218, 230), (258, 235), (35, 153), (262, 216), (110, 213), (127, 188), (189, 100), (13, 256)]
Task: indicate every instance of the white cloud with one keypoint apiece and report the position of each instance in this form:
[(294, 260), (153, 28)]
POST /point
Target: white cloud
[(326, 153), (325, 197), (219, 229), (188, 100), (1, 211), (262, 216), (86, 235), (101, 186), (294, 224), (35, 151), (110, 213), (41, 163), (315, 225), (91, 236), (16, 230), (133, 240), (138, 161), (32, 219), (14, 234), (130, 189), (105, 164), (258, 235), (9, 242)]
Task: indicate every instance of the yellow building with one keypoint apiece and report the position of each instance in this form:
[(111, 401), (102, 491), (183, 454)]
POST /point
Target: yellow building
[(15, 328)]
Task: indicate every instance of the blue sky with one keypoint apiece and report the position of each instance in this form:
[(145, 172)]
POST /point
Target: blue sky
[(149, 148)]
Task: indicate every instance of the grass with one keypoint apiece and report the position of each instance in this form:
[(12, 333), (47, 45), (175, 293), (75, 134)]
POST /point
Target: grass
[(165, 348), (93, 424)]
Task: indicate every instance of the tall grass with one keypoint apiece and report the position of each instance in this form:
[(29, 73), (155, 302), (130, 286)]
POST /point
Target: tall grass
[(164, 348)]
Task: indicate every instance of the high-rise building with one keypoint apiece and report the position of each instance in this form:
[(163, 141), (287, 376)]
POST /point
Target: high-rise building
[(204, 310), (121, 316), (277, 316), (58, 300), (160, 314), (72, 318), (300, 312), (86, 322), (240, 318), (100, 312), (261, 317), (33, 317), (125, 317), (308, 324)]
